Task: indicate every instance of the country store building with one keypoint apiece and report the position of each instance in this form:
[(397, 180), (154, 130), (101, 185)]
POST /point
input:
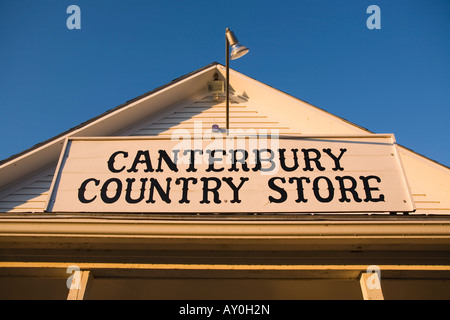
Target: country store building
[(155, 200)]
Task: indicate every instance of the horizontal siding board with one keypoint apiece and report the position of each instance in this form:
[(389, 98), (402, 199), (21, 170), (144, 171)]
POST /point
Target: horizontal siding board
[(208, 116), (218, 108), (22, 205), (209, 102), (208, 125), (40, 184), (46, 179), (32, 191), (222, 112), (23, 210), (169, 133), (216, 120), (24, 198)]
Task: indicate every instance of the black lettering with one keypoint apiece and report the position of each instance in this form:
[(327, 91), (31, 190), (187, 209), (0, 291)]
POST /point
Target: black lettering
[(145, 160), (229, 181), (192, 159), (258, 160), (329, 187), (351, 189), (104, 191), (281, 191), (112, 159), (163, 194), (172, 164), (207, 189), (211, 160), (242, 160), (337, 164), (184, 198), (368, 189), (82, 190), (129, 189), (283, 160), (308, 160), (300, 195)]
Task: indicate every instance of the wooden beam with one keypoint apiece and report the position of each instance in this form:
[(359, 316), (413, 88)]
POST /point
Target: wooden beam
[(123, 270), (371, 286), (81, 283)]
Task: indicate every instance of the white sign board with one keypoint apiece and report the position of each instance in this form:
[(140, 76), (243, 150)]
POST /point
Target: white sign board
[(333, 174)]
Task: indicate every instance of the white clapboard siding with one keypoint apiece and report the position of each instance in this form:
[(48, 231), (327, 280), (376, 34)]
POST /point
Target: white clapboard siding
[(426, 203), (207, 112), (29, 195)]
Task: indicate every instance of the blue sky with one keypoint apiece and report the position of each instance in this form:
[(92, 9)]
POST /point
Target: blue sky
[(392, 80)]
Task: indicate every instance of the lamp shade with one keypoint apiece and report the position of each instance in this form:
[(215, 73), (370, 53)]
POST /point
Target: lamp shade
[(237, 50)]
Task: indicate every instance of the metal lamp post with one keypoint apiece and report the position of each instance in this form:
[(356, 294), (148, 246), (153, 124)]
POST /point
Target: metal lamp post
[(237, 51)]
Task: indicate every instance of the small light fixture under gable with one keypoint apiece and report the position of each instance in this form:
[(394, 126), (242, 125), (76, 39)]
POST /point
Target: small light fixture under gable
[(216, 87), (215, 128)]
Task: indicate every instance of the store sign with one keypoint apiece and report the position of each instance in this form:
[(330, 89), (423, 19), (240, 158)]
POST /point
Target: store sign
[(340, 174)]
